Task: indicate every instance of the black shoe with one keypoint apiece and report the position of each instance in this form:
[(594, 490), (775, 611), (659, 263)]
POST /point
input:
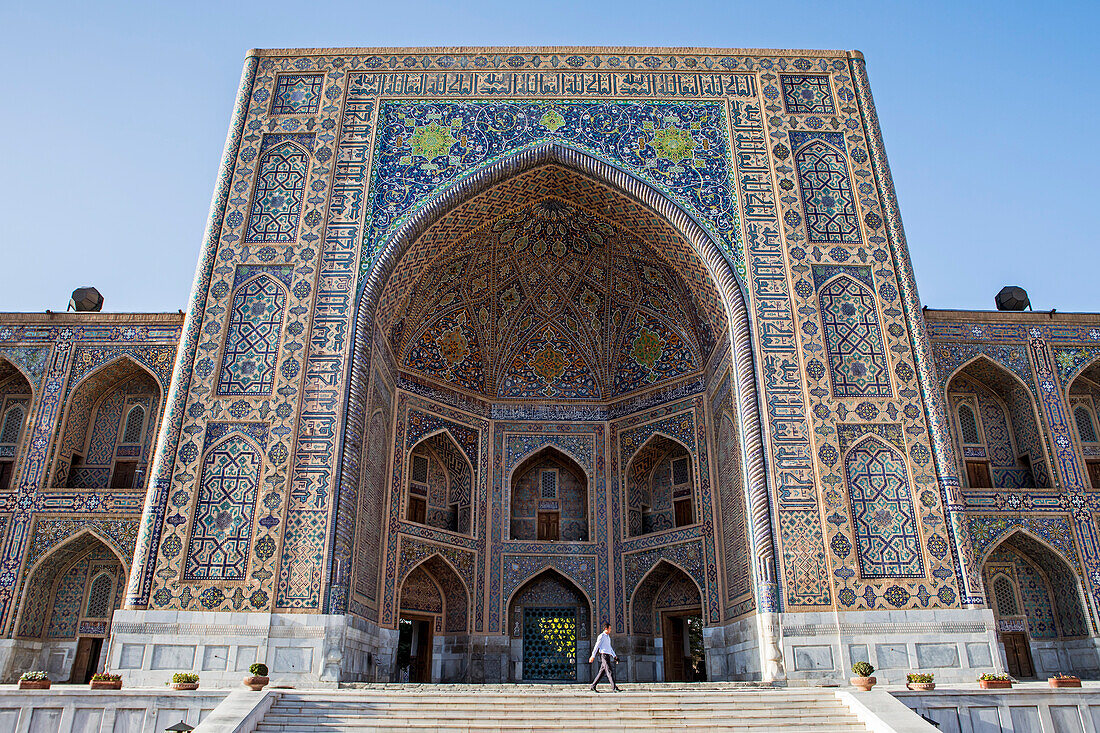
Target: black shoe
[(615, 689), (593, 689)]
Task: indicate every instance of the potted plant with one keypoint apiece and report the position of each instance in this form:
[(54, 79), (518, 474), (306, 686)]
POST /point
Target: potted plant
[(258, 677), (992, 681), (37, 680), (185, 681), (106, 681), (923, 681), (1064, 680), (863, 679)]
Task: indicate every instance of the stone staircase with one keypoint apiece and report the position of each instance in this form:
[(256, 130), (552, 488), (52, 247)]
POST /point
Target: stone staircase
[(557, 708)]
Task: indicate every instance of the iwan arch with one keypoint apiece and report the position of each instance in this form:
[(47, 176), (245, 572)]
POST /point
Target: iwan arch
[(489, 346)]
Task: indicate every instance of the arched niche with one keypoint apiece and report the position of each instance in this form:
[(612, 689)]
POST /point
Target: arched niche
[(16, 396), (661, 487), (549, 498), (69, 597), (108, 428), (666, 620), (452, 340), (996, 428), (434, 603), (549, 622), (1084, 407), (439, 486), (1035, 595)]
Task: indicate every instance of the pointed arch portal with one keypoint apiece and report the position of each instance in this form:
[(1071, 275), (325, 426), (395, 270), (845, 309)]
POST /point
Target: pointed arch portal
[(546, 285)]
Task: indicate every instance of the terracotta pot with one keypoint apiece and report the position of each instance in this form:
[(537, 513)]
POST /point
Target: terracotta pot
[(256, 683), (863, 683), (184, 685), (106, 684), (995, 684), (34, 684), (1064, 681), (921, 686)]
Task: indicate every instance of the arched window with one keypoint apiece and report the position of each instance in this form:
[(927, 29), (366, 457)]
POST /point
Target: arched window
[(1085, 426), (99, 596), (13, 425), (1005, 596), (968, 426), (135, 424)]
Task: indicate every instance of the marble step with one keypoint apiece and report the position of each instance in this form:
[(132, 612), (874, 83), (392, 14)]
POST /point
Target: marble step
[(542, 726), (580, 717)]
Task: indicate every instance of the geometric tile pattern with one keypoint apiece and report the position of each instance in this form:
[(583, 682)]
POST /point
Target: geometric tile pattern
[(807, 94), (252, 340), (827, 199), (551, 302), (221, 529), (883, 516), (297, 94), (280, 185), (853, 339)]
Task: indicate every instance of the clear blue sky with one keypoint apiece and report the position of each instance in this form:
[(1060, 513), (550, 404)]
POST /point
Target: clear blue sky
[(114, 115)]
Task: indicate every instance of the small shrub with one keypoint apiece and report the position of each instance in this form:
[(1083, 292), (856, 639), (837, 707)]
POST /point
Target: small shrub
[(258, 670), (863, 669), (35, 676), (106, 677), (994, 677), (185, 678), (1064, 676), (920, 677)]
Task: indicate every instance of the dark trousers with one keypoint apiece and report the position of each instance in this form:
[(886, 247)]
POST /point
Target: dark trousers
[(605, 669)]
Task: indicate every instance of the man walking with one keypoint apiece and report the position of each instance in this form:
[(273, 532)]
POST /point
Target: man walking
[(606, 653)]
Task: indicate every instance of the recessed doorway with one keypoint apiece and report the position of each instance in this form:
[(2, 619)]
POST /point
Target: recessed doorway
[(414, 649)]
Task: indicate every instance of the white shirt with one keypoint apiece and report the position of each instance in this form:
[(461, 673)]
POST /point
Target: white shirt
[(603, 646)]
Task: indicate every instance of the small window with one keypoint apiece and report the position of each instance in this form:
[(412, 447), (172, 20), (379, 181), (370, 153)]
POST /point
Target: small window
[(420, 469), (681, 470), (968, 426), (1085, 427), (13, 424), (1006, 596), (7, 469), (548, 484), (99, 597), (135, 422)]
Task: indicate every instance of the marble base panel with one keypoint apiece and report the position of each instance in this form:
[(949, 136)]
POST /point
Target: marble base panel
[(956, 645), (299, 649), (76, 709), (1031, 707)]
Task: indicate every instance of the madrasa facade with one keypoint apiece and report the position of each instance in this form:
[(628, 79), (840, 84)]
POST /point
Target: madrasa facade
[(487, 347)]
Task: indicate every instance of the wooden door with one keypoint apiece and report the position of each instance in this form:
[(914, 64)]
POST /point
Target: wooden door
[(548, 527), (123, 476), (1094, 473), (977, 475), (418, 510), (683, 512), (423, 664), (6, 470), (673, 631), (87, 658), (1018, 654)]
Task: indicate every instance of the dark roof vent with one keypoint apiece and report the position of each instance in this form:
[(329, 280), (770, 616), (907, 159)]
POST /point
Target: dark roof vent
[(86, 300), (1012, 298)]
